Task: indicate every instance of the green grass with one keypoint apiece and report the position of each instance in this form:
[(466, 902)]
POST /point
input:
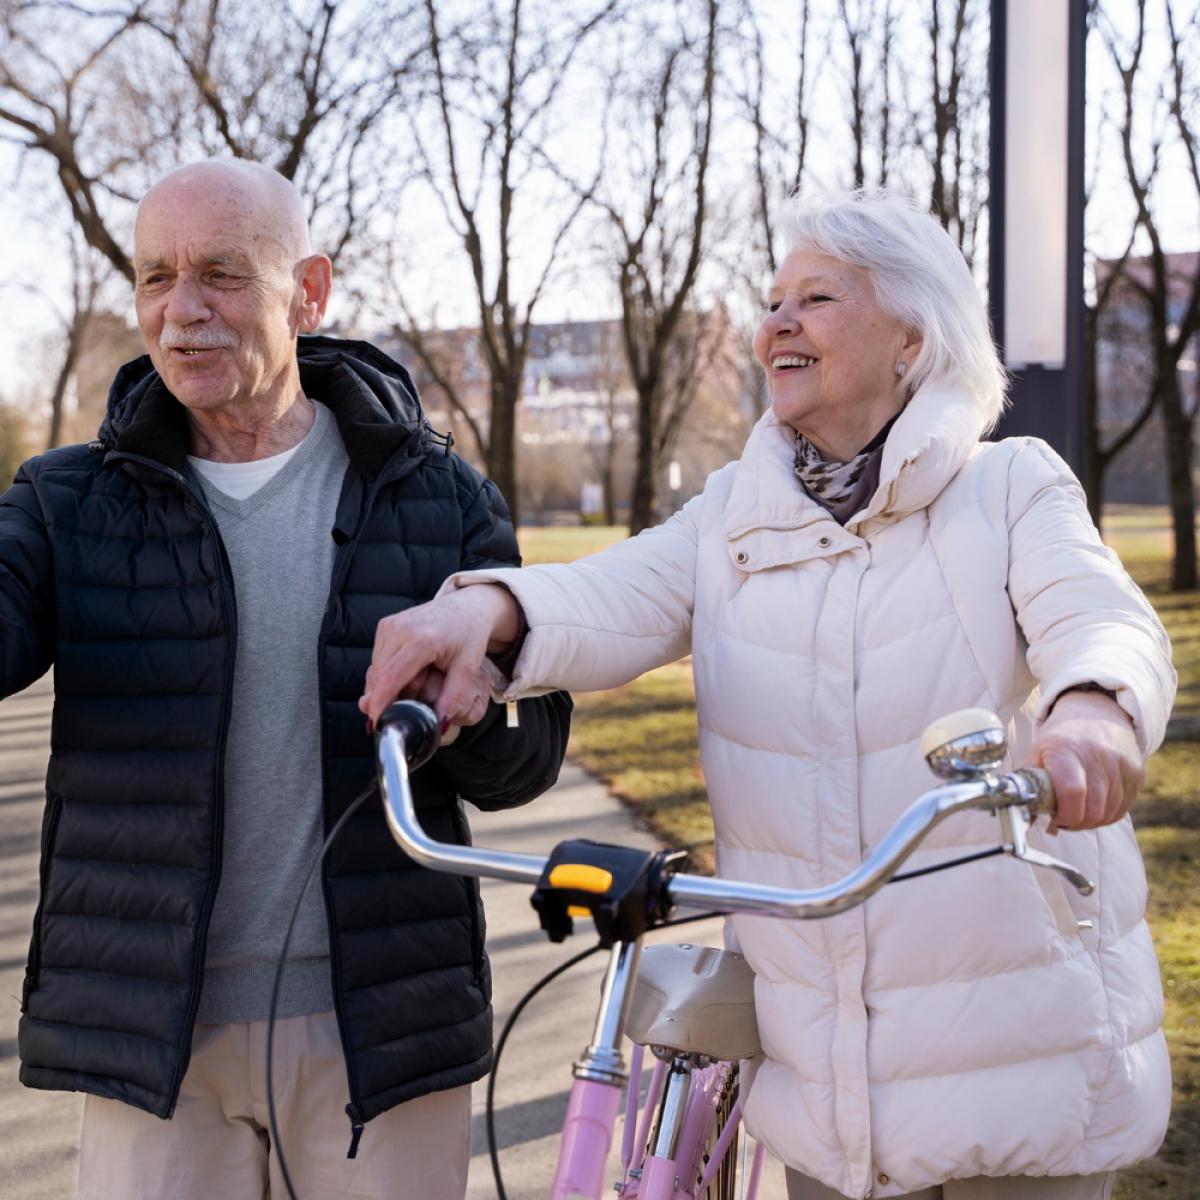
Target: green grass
[(555, 543), (641, 740), (1142, 537)]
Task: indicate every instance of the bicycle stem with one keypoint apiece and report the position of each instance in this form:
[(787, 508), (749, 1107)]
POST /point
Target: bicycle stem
[(602, 1061)]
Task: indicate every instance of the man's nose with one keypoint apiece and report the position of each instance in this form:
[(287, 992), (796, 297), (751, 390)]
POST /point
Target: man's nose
[(186, 304)]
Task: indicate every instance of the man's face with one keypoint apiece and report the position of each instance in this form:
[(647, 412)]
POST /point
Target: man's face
[(217, 298)]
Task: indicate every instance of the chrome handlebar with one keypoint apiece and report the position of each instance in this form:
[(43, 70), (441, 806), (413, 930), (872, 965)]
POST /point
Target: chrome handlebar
[(969, 761)]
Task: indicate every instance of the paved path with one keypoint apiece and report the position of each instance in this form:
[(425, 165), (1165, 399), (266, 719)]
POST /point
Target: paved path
[(38, 1129)]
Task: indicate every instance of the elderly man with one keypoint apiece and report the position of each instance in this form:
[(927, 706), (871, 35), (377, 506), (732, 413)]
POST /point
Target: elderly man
[(206, 578)]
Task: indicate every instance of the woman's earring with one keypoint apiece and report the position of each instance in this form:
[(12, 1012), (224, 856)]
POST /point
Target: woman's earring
[(901, 367)]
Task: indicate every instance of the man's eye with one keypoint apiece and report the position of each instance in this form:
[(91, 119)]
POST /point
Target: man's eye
[(818, 298), (772, 306)]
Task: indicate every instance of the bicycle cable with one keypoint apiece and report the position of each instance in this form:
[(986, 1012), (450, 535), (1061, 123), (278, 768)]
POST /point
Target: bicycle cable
[(943, 866), (273, 1121)]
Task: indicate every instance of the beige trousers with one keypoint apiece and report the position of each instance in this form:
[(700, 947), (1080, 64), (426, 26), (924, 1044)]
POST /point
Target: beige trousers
[(217, 1145), (1014, 1187)]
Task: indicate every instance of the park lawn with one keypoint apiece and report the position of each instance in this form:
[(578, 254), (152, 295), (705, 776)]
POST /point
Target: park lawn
[(641, 740)]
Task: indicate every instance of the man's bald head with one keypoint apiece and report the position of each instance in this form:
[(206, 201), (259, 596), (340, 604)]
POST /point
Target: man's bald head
[(264, 199), (225, 283)]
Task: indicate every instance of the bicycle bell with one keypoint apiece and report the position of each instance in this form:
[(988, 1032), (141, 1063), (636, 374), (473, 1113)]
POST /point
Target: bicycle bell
[(965, 744)]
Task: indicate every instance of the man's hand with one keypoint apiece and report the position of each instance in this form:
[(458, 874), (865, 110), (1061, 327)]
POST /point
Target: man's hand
[(434, 652), (1088, 746)]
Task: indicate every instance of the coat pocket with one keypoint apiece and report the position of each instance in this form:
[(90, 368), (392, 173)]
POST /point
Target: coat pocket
[(50, 818)]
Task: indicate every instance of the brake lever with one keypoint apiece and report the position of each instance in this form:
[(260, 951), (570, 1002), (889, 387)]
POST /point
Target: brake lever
[(1014, 825)]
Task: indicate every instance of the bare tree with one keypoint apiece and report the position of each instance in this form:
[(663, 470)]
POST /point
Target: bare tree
[(779, 148), (51, 104), (857, 18), (114, 96), (604, 452), (1107, 328), (1172, 304), (480, 140), (87, 277), (657, 225)]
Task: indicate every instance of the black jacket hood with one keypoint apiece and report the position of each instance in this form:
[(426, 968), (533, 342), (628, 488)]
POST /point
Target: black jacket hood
[(372, 396)]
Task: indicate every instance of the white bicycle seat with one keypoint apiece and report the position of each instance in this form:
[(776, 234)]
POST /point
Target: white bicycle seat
[(694, 1000)]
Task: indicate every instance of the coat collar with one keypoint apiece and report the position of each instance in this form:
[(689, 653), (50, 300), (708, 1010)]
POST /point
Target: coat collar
[(930, 441)]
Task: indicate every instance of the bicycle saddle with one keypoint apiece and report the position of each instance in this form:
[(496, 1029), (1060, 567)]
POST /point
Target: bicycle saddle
[(694, 1000)]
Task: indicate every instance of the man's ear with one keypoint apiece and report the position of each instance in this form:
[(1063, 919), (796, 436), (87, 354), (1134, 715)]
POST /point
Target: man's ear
[(315, 283)]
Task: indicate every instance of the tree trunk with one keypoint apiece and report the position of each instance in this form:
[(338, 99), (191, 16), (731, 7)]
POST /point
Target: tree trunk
[(1178, 430), (608, 481), (643, 507), (65, 371), (502, 443)]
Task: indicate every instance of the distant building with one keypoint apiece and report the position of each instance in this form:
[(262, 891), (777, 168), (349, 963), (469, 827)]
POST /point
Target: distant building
[(575, 387), (577, 417)]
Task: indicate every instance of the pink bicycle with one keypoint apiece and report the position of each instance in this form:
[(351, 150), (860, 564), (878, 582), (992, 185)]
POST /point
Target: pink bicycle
[(692, 1006)]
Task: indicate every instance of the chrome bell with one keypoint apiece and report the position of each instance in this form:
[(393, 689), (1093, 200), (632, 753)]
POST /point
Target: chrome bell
[(965, 744)]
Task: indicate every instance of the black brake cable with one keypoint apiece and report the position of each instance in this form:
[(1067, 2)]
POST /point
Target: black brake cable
[(276, 1142), (950, 862)]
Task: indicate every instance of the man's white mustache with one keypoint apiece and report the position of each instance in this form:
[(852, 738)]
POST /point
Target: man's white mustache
[(174, 338)]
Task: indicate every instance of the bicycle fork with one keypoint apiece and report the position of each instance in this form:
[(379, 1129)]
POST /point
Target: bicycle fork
[(699, 1098)]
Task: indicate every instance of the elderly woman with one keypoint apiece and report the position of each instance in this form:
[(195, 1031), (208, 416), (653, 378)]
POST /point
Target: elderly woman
[(868, 565)]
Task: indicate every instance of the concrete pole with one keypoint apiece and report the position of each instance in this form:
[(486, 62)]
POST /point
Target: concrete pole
[(1036, 215)]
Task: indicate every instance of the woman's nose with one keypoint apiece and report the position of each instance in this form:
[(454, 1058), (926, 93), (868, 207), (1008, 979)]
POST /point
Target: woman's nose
[(784, 319)]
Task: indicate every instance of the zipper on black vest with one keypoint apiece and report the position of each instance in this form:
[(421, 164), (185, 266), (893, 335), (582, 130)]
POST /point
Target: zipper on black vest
[(229, 612), (356, 1129), (341, 567)]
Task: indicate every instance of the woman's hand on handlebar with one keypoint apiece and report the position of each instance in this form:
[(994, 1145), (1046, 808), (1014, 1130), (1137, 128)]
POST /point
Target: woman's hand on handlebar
[(1088, 745), (435, 652)]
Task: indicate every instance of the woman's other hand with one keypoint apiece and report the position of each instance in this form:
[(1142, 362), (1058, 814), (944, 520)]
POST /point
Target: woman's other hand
[(435, 652), (1088, 746)]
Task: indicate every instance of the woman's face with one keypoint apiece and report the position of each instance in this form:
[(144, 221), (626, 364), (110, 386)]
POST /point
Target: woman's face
[(830, 353)]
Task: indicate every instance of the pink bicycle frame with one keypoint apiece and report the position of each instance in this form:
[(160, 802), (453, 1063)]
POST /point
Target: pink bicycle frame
[(689, 1114)]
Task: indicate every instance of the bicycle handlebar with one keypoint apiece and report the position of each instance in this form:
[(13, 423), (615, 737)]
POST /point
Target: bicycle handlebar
[(1028, 791)]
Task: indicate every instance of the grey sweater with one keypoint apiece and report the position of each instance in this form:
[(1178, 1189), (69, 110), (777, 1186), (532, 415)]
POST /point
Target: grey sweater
[(280, 547)]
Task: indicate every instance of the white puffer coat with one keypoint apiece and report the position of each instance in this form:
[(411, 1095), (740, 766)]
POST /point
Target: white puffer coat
[(956, 1025)]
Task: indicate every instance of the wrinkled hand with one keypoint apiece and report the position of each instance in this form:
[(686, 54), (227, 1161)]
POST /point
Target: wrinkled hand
[(427, 687), (434, 652), (1088, 746)]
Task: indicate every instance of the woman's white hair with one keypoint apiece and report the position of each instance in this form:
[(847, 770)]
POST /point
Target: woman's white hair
[(920, 278)]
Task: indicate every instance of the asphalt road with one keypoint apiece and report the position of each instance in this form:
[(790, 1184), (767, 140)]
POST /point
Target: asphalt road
[(38, 1159)]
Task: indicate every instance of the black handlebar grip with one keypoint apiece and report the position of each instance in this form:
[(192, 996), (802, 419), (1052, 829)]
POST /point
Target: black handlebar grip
[(418, 724)]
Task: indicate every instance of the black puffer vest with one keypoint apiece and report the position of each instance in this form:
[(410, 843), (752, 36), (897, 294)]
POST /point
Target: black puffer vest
[(112, 570)]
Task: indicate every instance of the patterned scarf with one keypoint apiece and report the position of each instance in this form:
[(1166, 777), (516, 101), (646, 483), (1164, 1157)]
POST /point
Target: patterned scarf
[(843, 488)]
